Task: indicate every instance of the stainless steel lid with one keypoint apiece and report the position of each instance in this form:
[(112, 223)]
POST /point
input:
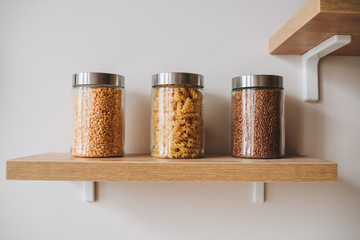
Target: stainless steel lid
[(96, 78), (178, 78), (248, 81)]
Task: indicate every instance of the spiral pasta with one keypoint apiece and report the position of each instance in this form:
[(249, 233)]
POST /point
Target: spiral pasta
[(177, 123)]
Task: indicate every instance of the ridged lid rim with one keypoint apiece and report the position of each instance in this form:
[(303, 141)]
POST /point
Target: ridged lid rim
[(98, 78), (178, 78), (257, 80)]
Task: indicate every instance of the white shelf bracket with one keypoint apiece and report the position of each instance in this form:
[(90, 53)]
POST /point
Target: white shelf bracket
[(89, 191), (310, 61), (258, 192)]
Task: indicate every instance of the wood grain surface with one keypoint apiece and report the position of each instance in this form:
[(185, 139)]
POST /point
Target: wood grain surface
[(144, 168), (317, 21)]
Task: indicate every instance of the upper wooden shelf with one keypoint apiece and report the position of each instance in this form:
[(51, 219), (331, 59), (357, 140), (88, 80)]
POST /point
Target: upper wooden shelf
[(317, 21), (144, 168)]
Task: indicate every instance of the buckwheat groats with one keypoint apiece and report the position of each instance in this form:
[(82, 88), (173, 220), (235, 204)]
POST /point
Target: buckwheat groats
[(98, 117), (177, 118), (258, 117)]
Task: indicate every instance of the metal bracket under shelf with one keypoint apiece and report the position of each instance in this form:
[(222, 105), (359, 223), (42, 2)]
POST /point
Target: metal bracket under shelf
[(258, 192), (310, 61), (89, 191)]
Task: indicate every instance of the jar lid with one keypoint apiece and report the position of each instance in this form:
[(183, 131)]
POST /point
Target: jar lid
[(178, 78), (248, 81), (96, 78)]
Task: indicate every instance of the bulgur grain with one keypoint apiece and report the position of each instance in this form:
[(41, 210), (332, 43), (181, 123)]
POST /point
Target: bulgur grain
[(98, 123)]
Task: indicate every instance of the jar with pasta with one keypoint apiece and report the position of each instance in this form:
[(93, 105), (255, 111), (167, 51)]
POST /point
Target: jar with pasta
[(98, 115), (177, 115)]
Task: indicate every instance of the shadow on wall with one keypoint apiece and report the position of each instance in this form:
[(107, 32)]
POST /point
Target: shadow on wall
[(314, 130), (294, 131), (217, 124), (303, 119), (137, 122)]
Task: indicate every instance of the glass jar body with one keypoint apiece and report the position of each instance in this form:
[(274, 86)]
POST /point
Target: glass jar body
[(258, 129), (98, 121), (177, 126)]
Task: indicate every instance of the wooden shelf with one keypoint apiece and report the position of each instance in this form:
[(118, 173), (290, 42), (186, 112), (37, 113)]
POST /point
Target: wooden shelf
[(144, 168), (317, 21)]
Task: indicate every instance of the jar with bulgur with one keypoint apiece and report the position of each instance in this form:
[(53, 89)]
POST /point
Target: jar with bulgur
[(258, 116), (98, 115)]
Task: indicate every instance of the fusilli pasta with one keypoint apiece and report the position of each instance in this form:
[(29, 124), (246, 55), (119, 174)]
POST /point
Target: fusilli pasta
[(177, 123)]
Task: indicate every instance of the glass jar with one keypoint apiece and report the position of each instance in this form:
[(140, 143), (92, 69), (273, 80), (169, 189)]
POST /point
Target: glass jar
[(177, 127), (98, 115), (258, 116)]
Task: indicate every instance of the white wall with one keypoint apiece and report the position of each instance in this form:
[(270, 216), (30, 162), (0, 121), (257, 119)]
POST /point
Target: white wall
[(42, 43)]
